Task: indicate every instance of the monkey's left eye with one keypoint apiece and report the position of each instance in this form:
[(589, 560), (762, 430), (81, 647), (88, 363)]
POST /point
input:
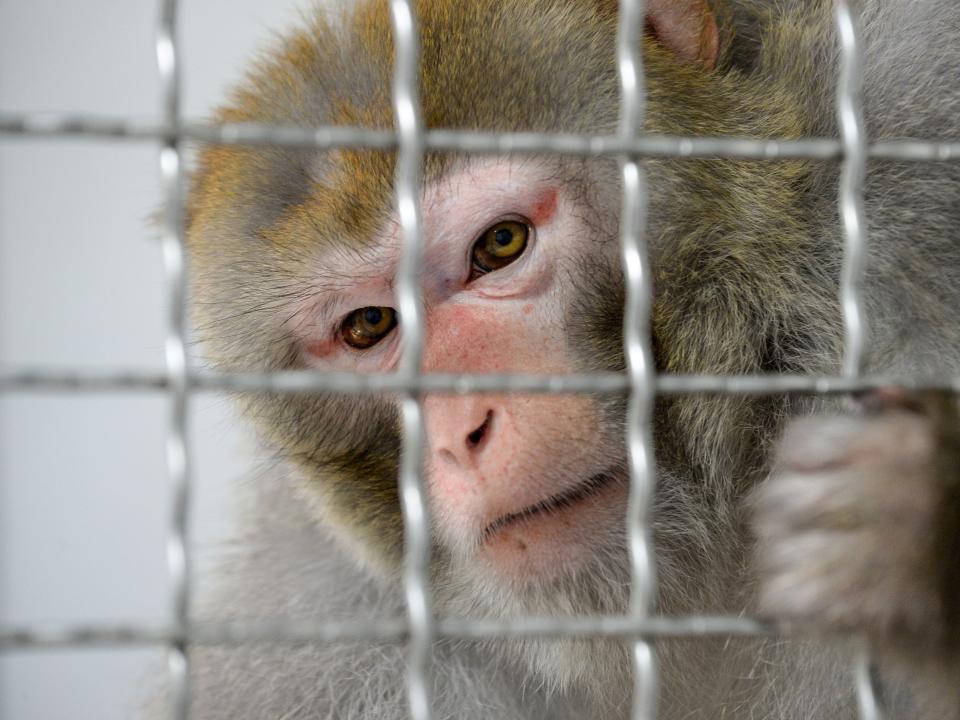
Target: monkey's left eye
[(365, 327), (499, 246)]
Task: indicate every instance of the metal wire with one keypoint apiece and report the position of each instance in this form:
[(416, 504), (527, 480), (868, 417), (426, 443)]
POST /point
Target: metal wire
[(852, 174), (639, 357), (178, 455), (282, 631), (416, 524), (603, 383), (853, 171), (59, 125), (868, 696)]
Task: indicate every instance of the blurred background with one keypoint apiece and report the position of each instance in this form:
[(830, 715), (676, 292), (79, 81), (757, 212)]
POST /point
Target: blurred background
[(83, 485)]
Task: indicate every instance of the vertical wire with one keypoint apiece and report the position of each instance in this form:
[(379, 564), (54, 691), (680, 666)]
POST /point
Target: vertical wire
[(178, 456), (636, 335), (854, 140), (853, 172), (867, 696), (416, 523)]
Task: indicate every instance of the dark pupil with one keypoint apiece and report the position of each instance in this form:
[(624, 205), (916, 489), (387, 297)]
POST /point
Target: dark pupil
[(373, 315), (503, 237)]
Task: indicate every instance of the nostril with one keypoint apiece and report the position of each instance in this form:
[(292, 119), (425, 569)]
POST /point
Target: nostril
[(476, 437)]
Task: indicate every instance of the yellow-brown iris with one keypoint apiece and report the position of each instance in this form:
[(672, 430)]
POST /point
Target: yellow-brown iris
[(499, 246), (367, 326)]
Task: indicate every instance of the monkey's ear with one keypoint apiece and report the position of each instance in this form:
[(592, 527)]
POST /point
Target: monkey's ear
[(687, 27)]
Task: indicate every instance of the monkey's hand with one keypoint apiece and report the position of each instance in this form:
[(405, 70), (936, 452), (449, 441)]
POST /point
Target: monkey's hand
[(858, 526)]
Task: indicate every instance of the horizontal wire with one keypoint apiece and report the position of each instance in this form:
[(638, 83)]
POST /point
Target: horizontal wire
[(295, 632), (29, 380), (46, 125)]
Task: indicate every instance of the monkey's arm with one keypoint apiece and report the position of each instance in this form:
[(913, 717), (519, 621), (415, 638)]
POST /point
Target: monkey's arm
[(857, 531)]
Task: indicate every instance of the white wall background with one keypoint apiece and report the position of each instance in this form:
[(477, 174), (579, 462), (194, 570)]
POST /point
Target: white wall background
[(83, 493)]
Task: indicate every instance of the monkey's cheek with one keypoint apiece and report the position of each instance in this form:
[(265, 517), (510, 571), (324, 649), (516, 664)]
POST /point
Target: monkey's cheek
[(553, 546)]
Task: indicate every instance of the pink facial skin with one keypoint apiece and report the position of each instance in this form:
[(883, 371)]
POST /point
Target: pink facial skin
[(514, 489)]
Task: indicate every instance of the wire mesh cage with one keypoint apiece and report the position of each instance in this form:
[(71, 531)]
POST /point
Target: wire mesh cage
[(171, 131)]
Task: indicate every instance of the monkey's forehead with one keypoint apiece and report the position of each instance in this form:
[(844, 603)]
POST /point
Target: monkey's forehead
[(482, 64), (507, 65)]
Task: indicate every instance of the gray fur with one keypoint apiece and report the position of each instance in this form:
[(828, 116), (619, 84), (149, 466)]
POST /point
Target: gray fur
[(290, 566)]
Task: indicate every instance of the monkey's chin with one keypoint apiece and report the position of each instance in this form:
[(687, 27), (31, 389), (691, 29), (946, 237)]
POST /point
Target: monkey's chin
[(558, 537)]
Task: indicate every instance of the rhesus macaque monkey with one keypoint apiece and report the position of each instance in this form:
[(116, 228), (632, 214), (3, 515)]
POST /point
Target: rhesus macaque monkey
[(837, 517)]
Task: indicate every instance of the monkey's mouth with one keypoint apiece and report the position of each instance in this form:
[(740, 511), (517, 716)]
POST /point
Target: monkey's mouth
[(553, 504)]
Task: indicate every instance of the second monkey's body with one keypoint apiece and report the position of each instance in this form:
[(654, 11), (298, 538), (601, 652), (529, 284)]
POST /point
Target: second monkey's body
[(294, 255)]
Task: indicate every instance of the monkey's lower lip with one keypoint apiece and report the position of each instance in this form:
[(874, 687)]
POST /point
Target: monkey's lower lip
[(555, 503)]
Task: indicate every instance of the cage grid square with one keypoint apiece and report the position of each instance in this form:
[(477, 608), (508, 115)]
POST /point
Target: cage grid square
[(641, 384)]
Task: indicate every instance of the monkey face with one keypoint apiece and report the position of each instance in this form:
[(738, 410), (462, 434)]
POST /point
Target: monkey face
[(294, 258), (293, 263), (522, 487)]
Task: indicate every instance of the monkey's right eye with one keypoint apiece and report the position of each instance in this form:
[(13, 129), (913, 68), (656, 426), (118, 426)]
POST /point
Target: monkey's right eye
[(365, 327), (499, 246)]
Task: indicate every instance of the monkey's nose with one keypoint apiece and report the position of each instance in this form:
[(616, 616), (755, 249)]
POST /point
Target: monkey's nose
[(459, 429), (476, 438)]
